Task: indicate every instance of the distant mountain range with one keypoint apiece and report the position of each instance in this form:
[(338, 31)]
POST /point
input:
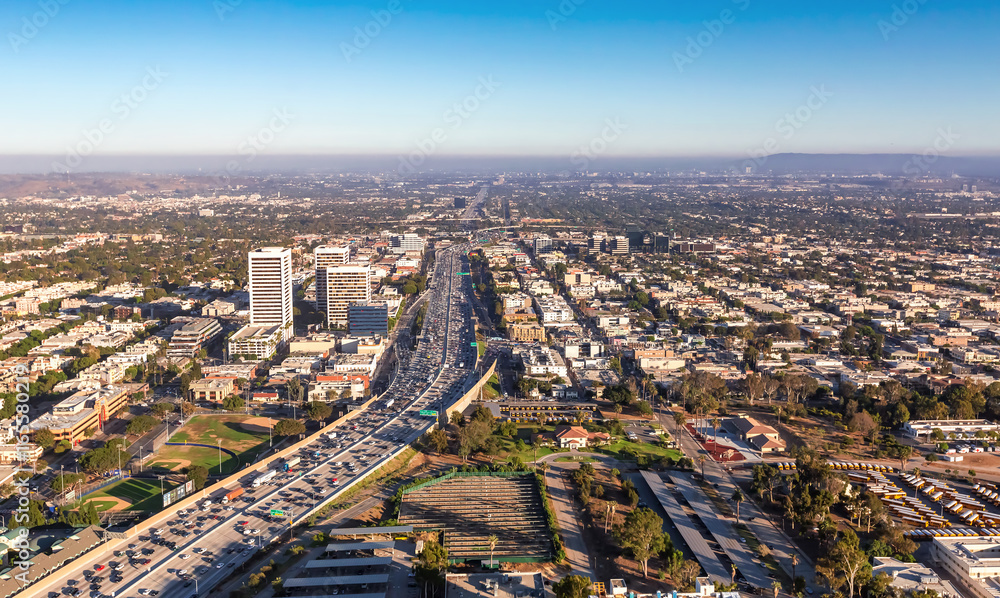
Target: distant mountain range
[(777, 164)]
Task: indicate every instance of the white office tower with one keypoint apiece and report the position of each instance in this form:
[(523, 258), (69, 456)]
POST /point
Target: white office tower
[(406, 242), (326, 257), (343, 285), (271, 289)]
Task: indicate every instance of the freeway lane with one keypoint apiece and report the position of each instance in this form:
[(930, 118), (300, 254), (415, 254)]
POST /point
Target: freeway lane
[(215, 545)]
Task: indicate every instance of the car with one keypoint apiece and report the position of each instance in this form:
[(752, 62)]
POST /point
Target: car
[(743, 540), (143, 592), (809, 591), (98, 567), (218, 565)]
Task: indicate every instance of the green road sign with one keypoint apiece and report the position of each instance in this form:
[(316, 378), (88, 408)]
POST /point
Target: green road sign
[(429, 412), (463, 273), (277, 513)]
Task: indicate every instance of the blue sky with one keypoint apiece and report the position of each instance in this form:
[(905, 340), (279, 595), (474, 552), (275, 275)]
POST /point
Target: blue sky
[(560, 71)]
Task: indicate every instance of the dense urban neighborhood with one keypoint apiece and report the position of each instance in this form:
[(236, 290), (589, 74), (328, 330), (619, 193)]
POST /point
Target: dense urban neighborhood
[(683, 383)]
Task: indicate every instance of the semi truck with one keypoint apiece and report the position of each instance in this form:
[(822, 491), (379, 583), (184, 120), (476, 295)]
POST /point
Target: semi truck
[(264, 478), (290, 463), (232, 495), (389, 403)]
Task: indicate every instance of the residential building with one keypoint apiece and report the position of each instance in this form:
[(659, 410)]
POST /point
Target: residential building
[(526, 333), (270, 271), (190, 338), (259, 342), (327, 257)]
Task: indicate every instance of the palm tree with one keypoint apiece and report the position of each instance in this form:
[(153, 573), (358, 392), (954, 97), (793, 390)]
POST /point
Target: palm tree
[(795, 561), (738, 499), (716, 424), (493, 540), (701, 461), (776, 586)]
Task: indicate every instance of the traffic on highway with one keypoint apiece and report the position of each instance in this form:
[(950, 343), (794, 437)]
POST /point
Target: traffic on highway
[(198, 548)]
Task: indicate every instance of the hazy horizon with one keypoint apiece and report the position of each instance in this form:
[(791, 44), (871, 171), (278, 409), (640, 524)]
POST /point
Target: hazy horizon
[(573, 79)]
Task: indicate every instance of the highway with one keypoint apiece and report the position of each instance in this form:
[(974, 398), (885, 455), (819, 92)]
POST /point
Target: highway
[(208, 543)]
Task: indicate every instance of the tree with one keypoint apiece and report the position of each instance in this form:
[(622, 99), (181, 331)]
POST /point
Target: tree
[(645, 409), (679, 418), (844, 563), (161, 409), (437, 440), (318, 411), (188, 409), (289, 427), (642, 533), (233, 403), (45, 438), (903, 452), (701, 462), (738, 498), (431, 564), (572, 586), (141, 424), (197, 474), (493, 540)]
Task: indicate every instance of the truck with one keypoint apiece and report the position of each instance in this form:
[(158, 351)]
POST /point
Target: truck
[(232, 495), (264, 478), (290, 463), (389, 403)]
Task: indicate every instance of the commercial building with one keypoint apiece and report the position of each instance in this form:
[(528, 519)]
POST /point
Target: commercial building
[(271, 289), (73, 416), (344, 285), (210, 389), (190, 338), (368, 318), (618, 245), (406, 242), (974, 561), (259, 342), (327, 257), (542, 245), (959, 427)]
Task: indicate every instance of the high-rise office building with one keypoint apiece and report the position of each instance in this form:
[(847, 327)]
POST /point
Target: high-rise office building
[(618, 245), (271, 289), (343, 285), (543, 245), (326, 257), (595, 244), (406, 242)]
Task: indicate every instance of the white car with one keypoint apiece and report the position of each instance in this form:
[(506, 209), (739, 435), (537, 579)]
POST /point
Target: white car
[(185, 557)]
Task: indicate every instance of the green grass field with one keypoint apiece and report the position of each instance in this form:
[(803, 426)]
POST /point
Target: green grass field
[(208, 429), (246, 441), (143, 494), (622, 448), (178, 458)]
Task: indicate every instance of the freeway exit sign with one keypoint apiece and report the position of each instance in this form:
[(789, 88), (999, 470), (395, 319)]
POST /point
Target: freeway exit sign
[(429, 412), (473, 344), (277, 513), (463, 273)]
